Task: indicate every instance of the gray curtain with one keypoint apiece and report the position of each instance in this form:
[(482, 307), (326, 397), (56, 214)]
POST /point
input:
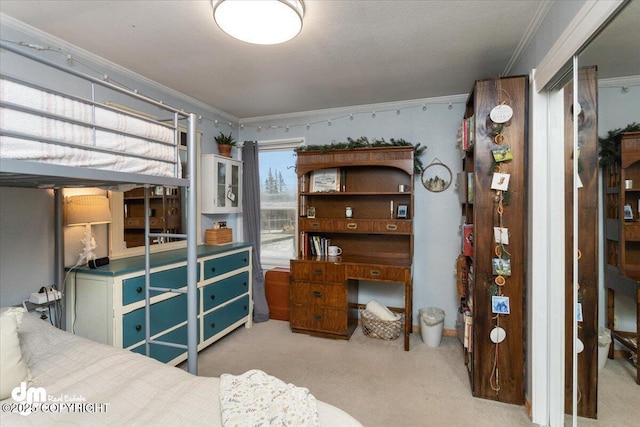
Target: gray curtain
[(251, 221)]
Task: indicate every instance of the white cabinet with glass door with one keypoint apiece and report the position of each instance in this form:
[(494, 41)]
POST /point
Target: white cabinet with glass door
[(221, 184)]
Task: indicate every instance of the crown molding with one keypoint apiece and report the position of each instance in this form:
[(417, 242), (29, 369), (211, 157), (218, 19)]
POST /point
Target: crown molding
[(529, 35), (620, 81), (66, 47), (355, 109)]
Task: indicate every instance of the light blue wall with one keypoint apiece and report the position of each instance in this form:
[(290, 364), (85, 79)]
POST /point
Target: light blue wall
[(26, 243)]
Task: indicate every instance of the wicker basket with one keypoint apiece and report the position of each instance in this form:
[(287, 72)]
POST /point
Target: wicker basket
[(374, 327), (218, 236)]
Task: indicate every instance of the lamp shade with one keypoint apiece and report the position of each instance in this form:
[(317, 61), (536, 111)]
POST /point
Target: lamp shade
[(92, 209), (259, 21)]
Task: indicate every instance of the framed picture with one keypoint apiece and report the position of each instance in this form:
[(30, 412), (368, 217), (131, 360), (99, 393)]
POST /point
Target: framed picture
[(402, 211), (500, 305), (628, 213), (325, 180), (501, 267), (311, 212)]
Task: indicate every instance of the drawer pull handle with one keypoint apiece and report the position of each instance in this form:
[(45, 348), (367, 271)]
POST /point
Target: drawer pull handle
[(213, 269), (392, 227), (213, 325), (315, 224), (245, 307), (317, 318), (317, 294), (213, 297), (375, 273), (139, 289), (138, 327), (317, 272), (352, 226), (245, 284)]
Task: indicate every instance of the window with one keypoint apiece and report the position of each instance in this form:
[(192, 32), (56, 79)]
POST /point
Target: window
[(278, 202)]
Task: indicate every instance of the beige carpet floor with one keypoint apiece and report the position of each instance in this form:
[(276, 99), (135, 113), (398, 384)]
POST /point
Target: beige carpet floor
[(380, 384)]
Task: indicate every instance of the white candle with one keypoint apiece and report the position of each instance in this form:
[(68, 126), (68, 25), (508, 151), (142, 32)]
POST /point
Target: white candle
[(391, 209)]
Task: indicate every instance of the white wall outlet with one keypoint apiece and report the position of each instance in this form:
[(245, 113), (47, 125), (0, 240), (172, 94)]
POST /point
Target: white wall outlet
[(45, 297)]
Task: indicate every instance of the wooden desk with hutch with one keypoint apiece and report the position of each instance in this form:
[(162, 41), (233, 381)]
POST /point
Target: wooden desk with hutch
[(376, 242), (622, 237)]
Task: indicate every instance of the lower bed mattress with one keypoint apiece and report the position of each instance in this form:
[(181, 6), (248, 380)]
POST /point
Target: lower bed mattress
[(111, 386)]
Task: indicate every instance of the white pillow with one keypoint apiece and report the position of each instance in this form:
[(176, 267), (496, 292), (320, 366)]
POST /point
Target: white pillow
[(13, 370), (381, 311)]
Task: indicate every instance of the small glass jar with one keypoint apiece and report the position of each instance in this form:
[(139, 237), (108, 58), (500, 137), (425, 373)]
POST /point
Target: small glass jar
[(348, 212)]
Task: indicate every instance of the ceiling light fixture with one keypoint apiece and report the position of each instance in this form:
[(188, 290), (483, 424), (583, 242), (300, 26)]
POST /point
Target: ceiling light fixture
[(259, 21)]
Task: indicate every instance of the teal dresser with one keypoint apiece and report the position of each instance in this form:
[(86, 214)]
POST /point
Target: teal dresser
[(106, 304)]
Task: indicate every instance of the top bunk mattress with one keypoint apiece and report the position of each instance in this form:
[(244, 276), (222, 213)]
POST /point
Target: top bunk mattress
[(45, 127)]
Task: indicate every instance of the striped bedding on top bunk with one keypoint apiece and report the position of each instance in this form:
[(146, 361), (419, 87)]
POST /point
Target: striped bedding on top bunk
[(147, 148)]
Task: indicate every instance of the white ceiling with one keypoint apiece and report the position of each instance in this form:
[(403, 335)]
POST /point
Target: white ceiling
[(349, 52)]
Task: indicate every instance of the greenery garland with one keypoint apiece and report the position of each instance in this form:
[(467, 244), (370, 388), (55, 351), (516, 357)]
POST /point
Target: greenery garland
[(610, 146), (363, 142)]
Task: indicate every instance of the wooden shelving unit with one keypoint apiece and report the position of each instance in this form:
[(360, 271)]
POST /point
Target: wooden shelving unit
[(376, 244), (496, 371)]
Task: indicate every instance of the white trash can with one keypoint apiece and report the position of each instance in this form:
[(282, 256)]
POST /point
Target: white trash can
[(431, 325), (604, 341)]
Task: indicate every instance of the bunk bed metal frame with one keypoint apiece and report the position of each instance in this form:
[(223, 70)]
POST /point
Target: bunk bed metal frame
[(33, 174)]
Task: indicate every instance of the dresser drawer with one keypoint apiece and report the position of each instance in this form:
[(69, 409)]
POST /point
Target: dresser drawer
[(164, 353), (220, 292), (223, 317), (392, 226), (164, 315), (173, 278), (218, 266), (319, 295), (376, 272), (319, 319)]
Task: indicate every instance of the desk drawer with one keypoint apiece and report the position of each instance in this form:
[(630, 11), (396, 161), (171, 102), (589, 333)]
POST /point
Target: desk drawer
[(220, 292), (138, 222), (173, 278), (308, 271), (223, 317), (632, 231), (392, 226), (164, 315), (317, 271), (315, 225), (218, 266), (352, 225), (319, 319), (376, 272), (319, 295)]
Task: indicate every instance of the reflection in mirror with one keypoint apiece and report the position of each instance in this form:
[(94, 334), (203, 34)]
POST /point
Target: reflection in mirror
[(164, 212), (167, 213), (614, 56), (616, 53)]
